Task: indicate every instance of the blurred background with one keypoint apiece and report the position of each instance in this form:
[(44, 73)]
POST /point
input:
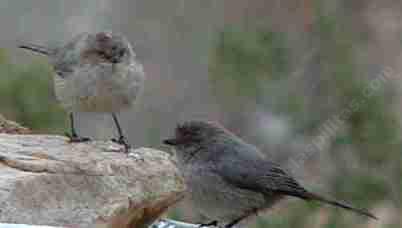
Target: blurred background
[(316, 84)]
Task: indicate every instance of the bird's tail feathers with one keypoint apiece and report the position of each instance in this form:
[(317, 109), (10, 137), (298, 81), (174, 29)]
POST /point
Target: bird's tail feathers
[(316, 197), (36, 48)]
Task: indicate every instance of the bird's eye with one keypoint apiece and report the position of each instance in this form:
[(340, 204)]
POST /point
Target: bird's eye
[(121, 52), (101, 53)]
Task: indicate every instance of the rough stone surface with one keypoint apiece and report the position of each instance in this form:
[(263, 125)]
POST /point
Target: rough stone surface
[(44, 180), (11, 127)]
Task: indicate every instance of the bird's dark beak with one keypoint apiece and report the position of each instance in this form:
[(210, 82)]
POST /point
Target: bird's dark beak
[(171, 142)]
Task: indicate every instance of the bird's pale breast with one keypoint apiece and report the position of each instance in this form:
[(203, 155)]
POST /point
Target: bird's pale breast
[(100, 88)]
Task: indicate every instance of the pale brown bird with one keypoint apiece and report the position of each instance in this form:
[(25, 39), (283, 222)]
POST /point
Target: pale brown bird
[(95, 73)]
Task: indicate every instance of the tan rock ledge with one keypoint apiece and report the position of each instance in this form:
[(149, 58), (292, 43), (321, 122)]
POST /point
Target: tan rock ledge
[(44, 180)]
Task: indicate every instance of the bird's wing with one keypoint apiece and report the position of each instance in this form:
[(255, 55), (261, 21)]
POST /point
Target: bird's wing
[(65, 61), (64, 69), (68, 57), (249, 170)]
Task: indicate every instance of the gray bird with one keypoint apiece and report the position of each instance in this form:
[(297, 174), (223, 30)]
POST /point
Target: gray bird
[(95, 73), (230, 180)]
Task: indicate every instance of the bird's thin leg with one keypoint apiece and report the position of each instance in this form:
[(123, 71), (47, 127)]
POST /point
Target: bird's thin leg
[(72, 126), (213, 223), (74, 136), (121, 140)]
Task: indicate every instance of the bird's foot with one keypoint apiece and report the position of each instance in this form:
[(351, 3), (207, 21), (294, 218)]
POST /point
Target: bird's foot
[(213, 223), (123, 141), (232, 224), (74, 138)]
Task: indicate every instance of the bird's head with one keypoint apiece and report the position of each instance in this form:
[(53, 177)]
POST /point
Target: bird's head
[(110, 47), (195, 133)]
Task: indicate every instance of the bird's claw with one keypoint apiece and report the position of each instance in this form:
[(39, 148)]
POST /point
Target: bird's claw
[(74, 138), (122, 141), (213, 223)]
